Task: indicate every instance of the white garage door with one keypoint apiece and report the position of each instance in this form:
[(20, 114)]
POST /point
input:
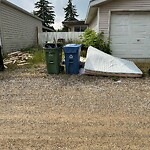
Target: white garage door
[(130, 34)]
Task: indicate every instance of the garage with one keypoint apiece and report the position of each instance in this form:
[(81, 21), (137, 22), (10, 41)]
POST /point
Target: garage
[(130, 34), (126, 22)]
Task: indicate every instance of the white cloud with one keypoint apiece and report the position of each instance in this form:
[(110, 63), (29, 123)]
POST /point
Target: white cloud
[(59, 12)]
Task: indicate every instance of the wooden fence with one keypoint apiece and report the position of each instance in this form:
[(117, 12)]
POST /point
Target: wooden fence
[(51, 36)]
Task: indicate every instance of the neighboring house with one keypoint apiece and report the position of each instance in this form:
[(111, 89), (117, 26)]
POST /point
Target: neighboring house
[(75, 26), (48, 29), (126, 22), (18, 28)]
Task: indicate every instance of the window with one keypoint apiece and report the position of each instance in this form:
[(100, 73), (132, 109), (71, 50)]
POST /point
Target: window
[(79, 28)]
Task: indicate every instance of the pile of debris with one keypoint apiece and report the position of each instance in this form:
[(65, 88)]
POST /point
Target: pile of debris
[(18, 57)]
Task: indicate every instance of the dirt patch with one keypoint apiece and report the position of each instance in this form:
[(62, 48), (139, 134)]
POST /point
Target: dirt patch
[(51, 112)]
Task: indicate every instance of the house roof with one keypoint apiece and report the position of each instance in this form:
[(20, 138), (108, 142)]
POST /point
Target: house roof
[(76, 22), (48, 29), (18, 8), (92, 9), (97, 2)]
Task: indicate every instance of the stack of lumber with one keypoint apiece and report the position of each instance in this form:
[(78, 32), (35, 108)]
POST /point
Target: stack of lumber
[(18, 57)]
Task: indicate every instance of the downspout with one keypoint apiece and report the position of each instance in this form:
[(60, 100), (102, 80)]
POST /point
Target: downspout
[(98, 20)]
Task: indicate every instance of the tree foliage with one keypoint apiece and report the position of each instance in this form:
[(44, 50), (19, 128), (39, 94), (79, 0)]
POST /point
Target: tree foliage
[(70, 12), (45, 12), (64, 29)]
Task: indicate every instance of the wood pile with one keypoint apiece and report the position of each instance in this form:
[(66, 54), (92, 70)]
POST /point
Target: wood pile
[(18, 57)]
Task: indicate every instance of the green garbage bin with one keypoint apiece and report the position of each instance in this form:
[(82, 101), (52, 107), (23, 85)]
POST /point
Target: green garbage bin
[(53, 55)]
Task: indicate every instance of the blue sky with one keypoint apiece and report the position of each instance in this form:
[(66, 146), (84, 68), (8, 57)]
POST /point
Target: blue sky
[(81, 6)]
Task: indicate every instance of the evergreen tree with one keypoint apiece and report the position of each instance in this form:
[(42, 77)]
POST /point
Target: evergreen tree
[(64, 29), (45, 12), (70, 12)]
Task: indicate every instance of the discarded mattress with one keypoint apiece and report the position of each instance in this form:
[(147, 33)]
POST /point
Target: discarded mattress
[(100, 63)]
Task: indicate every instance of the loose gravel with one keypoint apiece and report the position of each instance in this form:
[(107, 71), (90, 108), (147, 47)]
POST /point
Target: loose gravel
[(73, 112)]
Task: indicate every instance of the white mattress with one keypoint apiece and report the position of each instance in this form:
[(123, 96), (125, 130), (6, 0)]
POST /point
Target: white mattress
[(99, 61)]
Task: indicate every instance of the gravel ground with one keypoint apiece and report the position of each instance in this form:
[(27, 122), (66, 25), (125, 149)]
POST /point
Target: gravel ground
[(73, 112)]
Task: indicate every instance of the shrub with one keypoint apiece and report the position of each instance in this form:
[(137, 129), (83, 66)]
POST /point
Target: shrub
[(102, 43), (71, 41), (97, 40), (89, 37)]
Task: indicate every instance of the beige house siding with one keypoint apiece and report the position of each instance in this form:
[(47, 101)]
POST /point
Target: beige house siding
[(119, 5), (18, 29), (0, 26), (93, 25)]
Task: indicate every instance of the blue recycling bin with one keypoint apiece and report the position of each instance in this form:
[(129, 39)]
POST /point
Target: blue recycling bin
[(72, 58)]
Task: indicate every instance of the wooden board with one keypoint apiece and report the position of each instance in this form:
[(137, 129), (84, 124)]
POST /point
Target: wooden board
[(90, 72)]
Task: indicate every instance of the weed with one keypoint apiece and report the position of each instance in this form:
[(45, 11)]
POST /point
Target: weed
[(144, 66), (83, 53), (38, 57), (114, 78)]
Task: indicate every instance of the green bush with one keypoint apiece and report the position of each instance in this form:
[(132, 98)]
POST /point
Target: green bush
[(97, 40), (89, 38), (71, 41)]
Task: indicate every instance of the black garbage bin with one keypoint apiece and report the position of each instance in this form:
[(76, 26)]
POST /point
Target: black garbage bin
[(1, 61)]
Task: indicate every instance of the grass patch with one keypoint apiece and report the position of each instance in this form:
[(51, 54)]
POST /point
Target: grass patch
[(38, 57), (37, 53)]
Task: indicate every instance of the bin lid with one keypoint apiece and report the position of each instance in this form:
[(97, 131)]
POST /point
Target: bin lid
[(73, 45), (71, 48), (53, 45)]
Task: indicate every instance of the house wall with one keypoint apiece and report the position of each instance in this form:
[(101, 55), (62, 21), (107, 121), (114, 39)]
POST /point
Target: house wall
[(93, 25), (18, 29), (0, 26), (119, 5)]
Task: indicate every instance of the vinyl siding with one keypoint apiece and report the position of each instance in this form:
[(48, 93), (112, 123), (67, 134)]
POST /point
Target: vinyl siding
[(93, 24), (19, 30), (119, 4), (0, 26)]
